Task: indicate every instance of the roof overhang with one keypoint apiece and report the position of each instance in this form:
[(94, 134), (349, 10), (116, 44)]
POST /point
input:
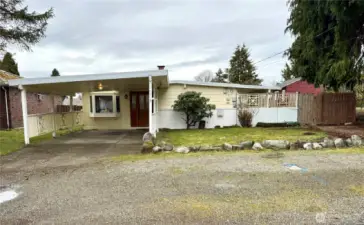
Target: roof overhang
[(225, 85), (87, 83)]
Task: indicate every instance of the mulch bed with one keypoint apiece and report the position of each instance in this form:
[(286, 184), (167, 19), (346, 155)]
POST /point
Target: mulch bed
[(343, 131)]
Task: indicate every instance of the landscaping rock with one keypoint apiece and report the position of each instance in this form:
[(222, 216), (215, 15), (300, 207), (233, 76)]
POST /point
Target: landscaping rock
[(339, 143), (356, 140), (349, 142), (167, 147), (237, 147), (257, 146), (216, 148), (307, 146), (148, 137), (296, 145), (206, 148), (157, 149), (246, 144), (323, 144), (147, 147), (316, 146), (227, 146), (182, 149), (194, 148), (329, 143), (276, 144)]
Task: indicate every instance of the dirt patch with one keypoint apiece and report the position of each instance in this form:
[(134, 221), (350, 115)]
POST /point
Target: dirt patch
[(343, 131)]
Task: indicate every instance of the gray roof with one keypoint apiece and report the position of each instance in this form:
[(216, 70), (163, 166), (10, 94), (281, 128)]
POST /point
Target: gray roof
[(289, 82), (227, 85)]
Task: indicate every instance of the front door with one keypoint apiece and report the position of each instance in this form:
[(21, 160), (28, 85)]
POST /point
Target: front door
[(139, 109)]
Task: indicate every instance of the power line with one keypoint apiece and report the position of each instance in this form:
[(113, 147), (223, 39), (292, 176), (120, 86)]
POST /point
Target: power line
[(318, 48), (278, 53)]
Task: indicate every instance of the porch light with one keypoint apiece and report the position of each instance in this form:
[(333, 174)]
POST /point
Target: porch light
[(99, 86), (126, 96)]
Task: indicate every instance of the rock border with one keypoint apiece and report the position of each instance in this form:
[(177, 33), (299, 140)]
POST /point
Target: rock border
[(353, 141)]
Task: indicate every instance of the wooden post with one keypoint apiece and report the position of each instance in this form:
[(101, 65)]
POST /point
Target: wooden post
[(297, 95), (25, 113)]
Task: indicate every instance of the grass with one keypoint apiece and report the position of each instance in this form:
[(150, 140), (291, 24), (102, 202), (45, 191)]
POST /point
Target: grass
[(234, 135), (264, 153), (13, 140)]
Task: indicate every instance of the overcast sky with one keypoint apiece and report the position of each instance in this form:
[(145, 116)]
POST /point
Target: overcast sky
[(188, 36)]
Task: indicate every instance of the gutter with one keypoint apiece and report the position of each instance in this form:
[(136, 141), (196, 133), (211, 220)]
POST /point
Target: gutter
[(6, 107)]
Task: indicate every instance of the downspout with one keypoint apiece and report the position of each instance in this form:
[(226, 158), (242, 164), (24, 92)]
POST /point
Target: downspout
[(6, 107)]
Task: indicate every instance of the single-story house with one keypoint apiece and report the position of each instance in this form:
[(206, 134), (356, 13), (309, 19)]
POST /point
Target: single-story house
[(138, 100), (298, 85), (10, 103)]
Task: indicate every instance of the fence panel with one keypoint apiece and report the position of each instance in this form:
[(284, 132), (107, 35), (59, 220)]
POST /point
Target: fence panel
[(326, 109)]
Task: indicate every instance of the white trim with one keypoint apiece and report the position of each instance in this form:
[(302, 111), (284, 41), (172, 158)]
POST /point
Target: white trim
[(25, 114), (150, 90), (227, 85), (89, 77)]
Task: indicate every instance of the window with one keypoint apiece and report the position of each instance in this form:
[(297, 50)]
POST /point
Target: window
[(104, 104)]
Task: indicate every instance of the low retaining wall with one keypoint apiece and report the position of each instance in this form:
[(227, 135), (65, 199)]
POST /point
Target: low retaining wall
[(228, 117)]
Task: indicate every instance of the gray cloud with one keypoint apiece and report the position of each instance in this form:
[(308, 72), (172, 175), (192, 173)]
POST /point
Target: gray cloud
[(136, 34)]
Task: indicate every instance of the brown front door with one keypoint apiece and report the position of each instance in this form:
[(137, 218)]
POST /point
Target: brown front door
[(139, 109)]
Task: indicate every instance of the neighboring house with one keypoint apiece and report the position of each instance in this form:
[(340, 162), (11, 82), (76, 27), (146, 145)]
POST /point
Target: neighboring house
[(144, 99), (300, 86), (10, 103)]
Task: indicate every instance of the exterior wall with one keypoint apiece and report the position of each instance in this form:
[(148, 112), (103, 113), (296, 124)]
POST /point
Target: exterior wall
[(217, 95), (303, 87), (3, 116), (173, 120), (121, 122), (35, 105), (276, 115)]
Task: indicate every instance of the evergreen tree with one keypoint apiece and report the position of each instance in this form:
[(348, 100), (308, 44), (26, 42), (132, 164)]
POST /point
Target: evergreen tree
[(9, 65), (329, 41), (220, 76), (242, 70), (55, 73), (18, 26), (287, 72)]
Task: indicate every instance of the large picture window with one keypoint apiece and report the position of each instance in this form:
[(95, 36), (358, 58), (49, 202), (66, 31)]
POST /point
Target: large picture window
[(104, 104)]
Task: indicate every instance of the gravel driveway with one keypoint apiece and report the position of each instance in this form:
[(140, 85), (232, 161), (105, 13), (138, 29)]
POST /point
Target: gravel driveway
[(215, 189)]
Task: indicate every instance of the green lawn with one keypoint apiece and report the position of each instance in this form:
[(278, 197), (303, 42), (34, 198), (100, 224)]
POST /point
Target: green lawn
[(234, 135), (13, 140)]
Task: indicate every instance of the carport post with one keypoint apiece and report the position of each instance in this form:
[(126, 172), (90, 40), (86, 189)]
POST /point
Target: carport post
[(25, 113), (53, 117), (150, 104)]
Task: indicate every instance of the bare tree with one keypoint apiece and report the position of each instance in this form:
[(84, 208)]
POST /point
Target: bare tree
[(205, 76)]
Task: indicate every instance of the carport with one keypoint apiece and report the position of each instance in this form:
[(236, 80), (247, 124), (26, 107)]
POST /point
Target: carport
[(125, 101)]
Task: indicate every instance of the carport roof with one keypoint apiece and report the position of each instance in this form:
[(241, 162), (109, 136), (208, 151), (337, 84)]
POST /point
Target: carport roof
[(88, 77)]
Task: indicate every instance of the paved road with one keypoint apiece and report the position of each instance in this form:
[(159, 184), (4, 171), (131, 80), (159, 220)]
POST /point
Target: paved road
[(217, 189)]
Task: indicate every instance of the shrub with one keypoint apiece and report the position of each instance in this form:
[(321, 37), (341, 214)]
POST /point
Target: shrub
[(245, 118), (193, 107), (217, 126)]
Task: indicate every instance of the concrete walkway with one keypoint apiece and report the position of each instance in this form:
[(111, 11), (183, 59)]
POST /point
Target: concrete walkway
[(74, 149)]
